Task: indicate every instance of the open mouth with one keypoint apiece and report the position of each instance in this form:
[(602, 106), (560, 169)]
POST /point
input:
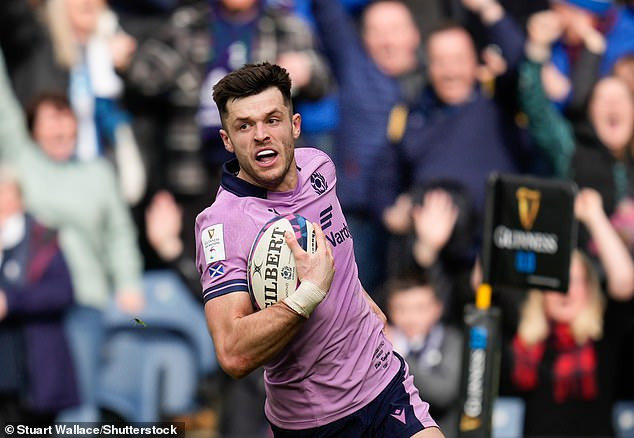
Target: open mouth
[(266, 156), (613, 120)]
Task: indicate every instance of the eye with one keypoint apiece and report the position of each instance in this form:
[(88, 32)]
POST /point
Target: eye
[(243, 126), (274, 121)]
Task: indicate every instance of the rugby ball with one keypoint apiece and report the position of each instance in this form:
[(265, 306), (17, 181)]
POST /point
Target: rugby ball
[(271, 272)]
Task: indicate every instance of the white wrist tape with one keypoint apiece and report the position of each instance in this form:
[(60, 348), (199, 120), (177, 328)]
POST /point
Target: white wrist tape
[(304, 300)]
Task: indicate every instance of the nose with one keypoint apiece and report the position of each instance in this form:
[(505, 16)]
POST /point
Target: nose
[(261, 133)]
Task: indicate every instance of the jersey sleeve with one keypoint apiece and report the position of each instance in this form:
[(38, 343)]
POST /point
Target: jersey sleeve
[(222, 249)]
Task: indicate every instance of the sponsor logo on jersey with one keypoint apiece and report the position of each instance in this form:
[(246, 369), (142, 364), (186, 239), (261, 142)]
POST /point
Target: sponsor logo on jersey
[(318, 182), (213, 242), (325, 218), (335, 238)]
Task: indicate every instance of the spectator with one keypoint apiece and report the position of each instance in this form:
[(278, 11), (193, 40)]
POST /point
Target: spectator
[(567, 348), (173, 71), (566, 356), (82, 200), (378, 75), (432, 349), (164, 228), (455, 137), (455, 132), (601, 160), (438, 222), (584, 24), (76, 54), (35, 290)]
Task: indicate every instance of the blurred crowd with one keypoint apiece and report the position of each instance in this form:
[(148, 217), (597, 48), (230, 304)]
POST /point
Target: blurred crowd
[(109, 148)]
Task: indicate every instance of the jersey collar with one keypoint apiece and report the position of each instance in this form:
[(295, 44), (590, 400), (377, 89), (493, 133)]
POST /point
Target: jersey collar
[(239, 187)]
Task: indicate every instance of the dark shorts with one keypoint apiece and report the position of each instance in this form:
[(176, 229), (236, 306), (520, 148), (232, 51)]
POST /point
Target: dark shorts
[(397, 412)]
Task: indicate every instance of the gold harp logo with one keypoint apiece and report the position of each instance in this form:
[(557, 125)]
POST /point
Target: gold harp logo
[(528, 206), (211, 233)]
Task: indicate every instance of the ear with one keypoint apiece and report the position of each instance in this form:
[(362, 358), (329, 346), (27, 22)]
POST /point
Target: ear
[(296, 121), (226, 140)]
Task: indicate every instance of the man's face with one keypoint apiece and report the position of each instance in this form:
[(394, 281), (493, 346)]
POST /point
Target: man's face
[(55, 130), (611, 112), (259, 129), (391, 37), (452, 65)]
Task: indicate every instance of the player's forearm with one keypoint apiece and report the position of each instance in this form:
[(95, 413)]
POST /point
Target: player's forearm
[(257, 338)]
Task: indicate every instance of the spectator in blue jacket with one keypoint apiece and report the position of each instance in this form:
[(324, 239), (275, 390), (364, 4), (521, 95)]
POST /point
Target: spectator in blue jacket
[(456, 134), (456, 131), (378, 73)]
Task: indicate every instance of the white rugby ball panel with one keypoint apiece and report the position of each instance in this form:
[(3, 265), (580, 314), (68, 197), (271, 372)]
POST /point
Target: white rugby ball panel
[(271, 271)]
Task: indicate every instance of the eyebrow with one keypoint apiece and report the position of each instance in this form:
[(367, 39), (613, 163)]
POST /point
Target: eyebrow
[(269, 114)]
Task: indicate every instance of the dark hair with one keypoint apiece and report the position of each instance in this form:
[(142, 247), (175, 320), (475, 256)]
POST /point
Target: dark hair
[(250, 80), (396, 285), (55, 98)]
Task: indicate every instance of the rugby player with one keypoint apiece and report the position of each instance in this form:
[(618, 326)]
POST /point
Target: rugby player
[(329, 370)]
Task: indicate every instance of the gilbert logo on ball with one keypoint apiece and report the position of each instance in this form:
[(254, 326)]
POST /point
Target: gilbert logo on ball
[(271, 271)]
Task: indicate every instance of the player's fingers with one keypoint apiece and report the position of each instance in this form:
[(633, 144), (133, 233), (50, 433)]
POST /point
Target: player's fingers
[(293, 244), (322, 245)]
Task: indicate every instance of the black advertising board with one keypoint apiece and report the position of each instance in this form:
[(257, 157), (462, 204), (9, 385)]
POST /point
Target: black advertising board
[(529, 232)]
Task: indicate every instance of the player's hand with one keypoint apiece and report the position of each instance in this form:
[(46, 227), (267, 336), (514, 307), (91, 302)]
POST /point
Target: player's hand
[(318, 268)]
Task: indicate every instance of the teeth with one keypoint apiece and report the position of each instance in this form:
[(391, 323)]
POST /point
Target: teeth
[(265, 153)]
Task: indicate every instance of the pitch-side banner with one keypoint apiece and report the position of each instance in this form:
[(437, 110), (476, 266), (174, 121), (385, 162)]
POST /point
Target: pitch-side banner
[(530, 231)]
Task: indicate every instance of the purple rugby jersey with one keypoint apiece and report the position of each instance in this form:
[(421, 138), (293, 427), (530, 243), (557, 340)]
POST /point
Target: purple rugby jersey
[(340, 360)]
